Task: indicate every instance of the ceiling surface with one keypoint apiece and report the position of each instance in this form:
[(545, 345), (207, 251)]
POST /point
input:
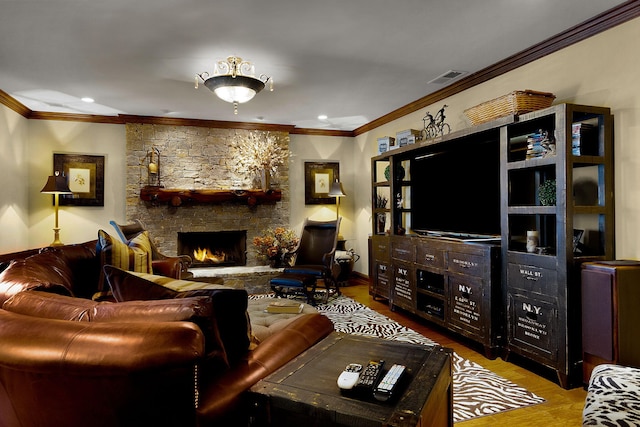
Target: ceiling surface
[(351, 60)]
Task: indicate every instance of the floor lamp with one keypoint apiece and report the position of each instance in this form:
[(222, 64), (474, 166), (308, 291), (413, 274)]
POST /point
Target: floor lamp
[(337, 191), (56, 185)]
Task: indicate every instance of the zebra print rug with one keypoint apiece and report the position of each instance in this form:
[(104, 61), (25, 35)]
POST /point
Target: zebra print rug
[(476, 391)]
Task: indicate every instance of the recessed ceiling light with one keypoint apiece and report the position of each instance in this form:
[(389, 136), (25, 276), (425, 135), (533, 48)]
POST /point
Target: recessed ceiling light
[(87, 99), (323, 117)]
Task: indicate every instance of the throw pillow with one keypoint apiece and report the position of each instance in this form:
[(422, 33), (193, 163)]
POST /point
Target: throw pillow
[(229, 305), (134, 256)]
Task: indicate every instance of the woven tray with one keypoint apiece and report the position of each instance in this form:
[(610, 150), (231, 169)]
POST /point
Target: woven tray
[(516, 102)]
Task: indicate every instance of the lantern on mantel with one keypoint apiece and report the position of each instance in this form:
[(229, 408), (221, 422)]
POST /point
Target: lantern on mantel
[(151, 163)]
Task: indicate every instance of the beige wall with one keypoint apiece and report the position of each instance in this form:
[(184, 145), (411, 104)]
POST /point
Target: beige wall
[(78, 224), (14, 178), (602, 71), (599, 71), (306, 148)]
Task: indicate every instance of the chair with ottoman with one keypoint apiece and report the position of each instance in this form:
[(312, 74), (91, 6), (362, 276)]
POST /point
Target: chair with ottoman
[(314, 259)]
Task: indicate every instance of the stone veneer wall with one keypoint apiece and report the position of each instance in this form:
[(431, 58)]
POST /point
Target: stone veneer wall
[(198, 158)]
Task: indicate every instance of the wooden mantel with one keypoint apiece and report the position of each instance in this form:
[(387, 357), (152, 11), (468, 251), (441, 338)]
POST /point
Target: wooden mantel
[(177, 197)]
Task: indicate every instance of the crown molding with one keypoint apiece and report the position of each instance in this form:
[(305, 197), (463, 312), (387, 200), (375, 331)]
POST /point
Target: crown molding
[(219, 124), (599, 23), (12, 103)]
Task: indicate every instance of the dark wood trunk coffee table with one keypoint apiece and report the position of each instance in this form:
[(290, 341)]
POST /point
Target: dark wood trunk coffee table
[(304, 392)]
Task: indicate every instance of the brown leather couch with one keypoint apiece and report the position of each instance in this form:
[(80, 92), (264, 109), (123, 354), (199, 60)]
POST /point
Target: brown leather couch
[(66, 360)]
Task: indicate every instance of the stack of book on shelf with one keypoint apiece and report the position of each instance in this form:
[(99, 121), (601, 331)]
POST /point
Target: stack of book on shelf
[(285, 306), (540, 145), (584, 139)]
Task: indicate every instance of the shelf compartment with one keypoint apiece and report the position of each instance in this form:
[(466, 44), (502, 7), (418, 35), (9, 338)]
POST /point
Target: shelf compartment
[(520, 224), (433, 307), (429, 281), (520, 137), (524, 184)]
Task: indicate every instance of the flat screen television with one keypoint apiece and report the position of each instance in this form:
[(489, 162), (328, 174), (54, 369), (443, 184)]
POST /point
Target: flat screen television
[(456, 191)]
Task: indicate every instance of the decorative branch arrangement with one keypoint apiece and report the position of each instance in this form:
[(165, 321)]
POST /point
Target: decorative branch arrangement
[(381, 202), (258, 151)]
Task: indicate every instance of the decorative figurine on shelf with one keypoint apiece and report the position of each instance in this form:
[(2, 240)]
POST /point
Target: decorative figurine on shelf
[(548, 144), (436, 125), (399, 204)]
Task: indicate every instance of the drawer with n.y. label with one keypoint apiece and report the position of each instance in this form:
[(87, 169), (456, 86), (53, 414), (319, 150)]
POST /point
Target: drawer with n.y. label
[(531, 278)]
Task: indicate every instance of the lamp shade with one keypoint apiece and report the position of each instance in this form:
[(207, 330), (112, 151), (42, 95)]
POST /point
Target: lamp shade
[(56, 184), (336, 190)]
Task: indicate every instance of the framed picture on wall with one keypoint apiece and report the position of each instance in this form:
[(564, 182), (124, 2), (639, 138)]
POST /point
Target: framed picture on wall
[(318, 177), (85, 177)]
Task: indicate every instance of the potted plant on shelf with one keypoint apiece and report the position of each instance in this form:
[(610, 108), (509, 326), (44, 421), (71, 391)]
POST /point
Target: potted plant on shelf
[(547, 193)]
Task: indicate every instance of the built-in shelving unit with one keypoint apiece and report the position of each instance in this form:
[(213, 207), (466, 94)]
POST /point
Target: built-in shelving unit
[(452, 247), (542, 283)]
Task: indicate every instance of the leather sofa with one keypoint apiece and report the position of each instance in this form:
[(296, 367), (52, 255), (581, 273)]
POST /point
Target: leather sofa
[(177, 358)]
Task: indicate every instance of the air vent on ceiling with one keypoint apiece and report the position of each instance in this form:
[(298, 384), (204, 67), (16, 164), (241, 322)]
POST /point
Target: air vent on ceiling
[(447, 77)]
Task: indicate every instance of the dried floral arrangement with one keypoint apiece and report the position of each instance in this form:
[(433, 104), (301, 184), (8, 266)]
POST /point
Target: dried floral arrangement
[(258, 151), (274, 244)]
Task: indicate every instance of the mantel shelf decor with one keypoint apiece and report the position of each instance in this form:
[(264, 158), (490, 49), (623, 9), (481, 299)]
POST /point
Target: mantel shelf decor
[(177, 197)]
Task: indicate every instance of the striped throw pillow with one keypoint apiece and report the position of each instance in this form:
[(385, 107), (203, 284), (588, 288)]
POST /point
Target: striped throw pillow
[(134, 256)]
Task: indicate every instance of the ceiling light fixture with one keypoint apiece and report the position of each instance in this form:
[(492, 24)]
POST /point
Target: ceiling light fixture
[(234, 81)]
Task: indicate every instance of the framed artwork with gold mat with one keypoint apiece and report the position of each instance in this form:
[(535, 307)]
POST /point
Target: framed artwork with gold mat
[(318, 177), (85, 177)]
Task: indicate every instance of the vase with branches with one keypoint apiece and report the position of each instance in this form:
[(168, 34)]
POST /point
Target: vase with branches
[(259, 153)]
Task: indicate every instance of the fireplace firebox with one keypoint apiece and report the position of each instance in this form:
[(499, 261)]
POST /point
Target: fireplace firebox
[(214, 248)]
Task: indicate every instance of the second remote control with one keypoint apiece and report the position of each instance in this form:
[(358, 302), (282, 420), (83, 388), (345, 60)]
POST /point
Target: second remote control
[(387, 386), (371, 375)]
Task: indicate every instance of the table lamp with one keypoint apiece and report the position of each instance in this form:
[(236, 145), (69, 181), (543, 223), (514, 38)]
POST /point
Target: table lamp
[(56, 185)]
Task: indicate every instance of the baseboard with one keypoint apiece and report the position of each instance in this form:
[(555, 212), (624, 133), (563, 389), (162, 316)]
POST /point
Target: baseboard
[(358, 279)]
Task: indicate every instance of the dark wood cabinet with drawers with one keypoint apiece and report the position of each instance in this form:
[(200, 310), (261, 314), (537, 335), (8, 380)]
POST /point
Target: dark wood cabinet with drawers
[(380, 267), (450, 282)]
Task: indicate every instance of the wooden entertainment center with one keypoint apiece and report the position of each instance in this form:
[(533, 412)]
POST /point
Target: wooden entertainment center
[(451, 219)]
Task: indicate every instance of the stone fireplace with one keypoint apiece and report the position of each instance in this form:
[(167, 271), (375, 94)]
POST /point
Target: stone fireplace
[(214, 248), (195, 157)]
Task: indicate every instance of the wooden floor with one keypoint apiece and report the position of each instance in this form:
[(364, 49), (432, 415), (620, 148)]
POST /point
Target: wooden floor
[(562, 407)]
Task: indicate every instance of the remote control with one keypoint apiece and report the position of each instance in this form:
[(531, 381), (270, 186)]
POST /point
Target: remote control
[(349, 377), (370, 376), (387, 386)]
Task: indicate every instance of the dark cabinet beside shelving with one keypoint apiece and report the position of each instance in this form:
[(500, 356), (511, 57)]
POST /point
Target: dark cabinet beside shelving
[(610, 315)]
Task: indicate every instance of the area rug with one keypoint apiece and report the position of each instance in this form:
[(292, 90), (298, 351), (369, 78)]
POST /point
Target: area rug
[(476, 391)]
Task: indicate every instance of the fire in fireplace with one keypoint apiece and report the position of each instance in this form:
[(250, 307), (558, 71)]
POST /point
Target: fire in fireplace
[(214, 248)]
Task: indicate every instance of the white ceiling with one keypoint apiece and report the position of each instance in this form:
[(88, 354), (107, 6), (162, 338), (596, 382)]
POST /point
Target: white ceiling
[(353, 60)]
